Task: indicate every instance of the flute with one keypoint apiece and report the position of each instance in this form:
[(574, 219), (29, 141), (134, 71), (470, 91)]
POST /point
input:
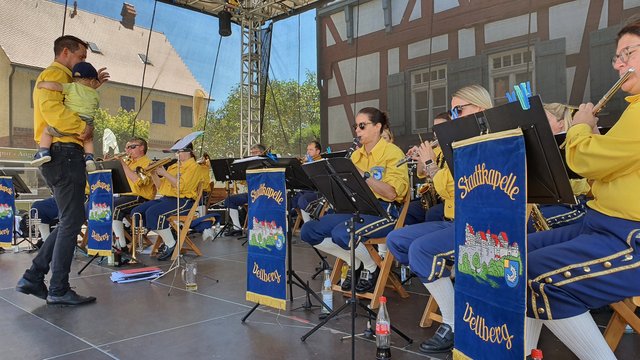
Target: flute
[(605, 99)]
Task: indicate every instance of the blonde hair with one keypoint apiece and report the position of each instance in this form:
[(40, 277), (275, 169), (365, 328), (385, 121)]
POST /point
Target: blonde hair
[(476, 95), (389, 134), (562, 112)]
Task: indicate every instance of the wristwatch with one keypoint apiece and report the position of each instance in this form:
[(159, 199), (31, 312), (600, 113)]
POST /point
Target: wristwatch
[(366, 175), (428, 162)]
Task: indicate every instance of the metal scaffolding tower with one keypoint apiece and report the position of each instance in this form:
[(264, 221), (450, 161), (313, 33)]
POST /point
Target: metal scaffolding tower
[(251, 51)]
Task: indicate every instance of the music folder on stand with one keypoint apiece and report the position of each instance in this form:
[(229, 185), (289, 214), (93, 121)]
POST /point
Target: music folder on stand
[(222, 172), (340, 182)]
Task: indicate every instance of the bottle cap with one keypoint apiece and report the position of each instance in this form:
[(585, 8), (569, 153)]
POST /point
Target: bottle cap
[(536, 354), (383, 299)]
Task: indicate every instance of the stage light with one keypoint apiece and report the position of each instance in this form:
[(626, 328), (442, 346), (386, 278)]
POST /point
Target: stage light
[(224, 23)]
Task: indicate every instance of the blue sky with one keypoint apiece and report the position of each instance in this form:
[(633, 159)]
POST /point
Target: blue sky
[(195, 37)]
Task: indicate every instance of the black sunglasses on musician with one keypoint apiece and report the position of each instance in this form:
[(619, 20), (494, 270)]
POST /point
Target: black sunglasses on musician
[(361, 125)]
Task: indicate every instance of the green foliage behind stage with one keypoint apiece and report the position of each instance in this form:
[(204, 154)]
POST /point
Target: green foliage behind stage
[(121, 124), (289, 123)]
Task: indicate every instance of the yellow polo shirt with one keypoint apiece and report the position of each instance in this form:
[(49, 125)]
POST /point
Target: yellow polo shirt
[(141, 187), (444, 184), (612, 161), (189, 180), (381, 163), (49, 109)]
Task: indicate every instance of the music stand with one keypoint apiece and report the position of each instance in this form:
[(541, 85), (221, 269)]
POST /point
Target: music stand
[(335, 154), (19, 187), (222, 172), (547, 180), (341, 183), (118, 177)]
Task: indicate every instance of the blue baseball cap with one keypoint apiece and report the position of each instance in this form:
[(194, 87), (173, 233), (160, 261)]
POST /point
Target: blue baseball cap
[(85, 70)]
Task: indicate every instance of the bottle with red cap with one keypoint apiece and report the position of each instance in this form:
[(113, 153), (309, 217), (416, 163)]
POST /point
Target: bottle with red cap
[(383, 331), (536, 354)]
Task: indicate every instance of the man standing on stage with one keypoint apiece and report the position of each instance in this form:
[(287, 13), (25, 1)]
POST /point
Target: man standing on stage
[(65, 175)]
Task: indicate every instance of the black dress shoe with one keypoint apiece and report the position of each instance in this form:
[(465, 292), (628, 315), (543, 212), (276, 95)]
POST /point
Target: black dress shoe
[(69, 298), (440, 342), (166, 254), (35, 288), (367, 281), (346, 284)]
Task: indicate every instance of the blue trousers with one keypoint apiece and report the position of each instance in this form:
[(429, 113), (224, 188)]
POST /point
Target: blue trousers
[(335, 226), (156, 212), (429, 252), (236, 201), (583, 266), (416, 213), (47, 210), (65, 175), (122, 205), (303, 198), (205, 222), (561, 215)]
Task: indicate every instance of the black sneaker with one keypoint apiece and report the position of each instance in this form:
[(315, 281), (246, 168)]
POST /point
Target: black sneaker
[(440, 342), (166, 254)]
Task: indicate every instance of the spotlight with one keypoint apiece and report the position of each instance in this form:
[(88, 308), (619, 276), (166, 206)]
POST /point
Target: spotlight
[(224, 23)]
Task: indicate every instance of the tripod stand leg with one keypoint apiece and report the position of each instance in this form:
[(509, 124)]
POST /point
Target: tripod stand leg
[(88, 263), (324, 265), (250, 312), (329, 317)]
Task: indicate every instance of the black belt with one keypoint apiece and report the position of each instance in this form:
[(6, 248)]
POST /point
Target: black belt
[(67, 145)]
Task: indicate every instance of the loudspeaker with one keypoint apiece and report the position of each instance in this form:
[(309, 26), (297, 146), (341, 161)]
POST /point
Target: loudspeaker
[(224, 23)]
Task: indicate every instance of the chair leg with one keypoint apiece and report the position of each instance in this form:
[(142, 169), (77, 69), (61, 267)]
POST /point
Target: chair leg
[(336, 273), (624, 313), (430, 315)]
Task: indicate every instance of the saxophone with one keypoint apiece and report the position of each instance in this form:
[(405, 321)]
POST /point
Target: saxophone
[(539, 222), (428, 195)]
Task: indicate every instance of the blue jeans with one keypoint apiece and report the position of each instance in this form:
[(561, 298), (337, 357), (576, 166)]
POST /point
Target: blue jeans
[(65, 175)]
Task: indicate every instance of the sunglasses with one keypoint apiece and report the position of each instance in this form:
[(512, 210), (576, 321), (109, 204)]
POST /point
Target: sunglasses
[(361, 125), (457, 110), (132, 146)]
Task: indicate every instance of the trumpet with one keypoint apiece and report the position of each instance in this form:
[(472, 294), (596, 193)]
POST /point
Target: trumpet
[(143, 172), (137, 231), (605, 99), (123, 155)]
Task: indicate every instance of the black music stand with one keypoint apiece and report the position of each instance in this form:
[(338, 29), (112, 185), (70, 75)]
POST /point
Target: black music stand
[(341, 183), (547, 180), (222, 172)]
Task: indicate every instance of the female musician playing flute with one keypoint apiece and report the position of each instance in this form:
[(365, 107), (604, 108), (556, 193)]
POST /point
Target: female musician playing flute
[(156, 212), (430, 248), (581, 267), (376, 160)]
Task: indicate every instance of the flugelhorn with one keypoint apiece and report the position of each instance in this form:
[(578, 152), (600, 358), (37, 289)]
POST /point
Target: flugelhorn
[(144, 172), (605, 99)]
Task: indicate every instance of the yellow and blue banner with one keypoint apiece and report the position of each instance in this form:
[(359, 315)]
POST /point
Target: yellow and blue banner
[(7, 211), (267, 223), (490, 244), (99, 235)]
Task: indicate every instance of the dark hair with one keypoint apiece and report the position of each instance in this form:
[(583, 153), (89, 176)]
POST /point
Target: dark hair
[(443, 115), (141, 141), (376, 117), (316, 143), (260, 147), (631, 26), (67, 41)]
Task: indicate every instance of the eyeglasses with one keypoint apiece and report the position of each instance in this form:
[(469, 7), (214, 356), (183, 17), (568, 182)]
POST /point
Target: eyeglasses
[(132, 146), (624, 55), (457, 110), (361, 125)]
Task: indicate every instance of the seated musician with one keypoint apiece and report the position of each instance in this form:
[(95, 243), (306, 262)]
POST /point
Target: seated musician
[(235, 202), (429, 252), (47, 212), (155, 213), (376, 160), (142, 188), (302, 198), (558, 215), (586, 266), (417, 213)]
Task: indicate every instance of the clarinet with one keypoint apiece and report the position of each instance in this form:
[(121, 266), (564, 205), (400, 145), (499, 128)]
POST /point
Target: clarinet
[(319, 205)]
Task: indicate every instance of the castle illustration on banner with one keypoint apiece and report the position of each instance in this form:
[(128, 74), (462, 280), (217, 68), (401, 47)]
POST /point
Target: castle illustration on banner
[(100, 212), (486, 255), (265, 234)]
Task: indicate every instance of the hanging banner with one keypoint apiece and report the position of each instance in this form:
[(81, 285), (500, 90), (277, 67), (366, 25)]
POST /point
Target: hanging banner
[(100, 208), (490, 230), (267, 256), (7, 206)]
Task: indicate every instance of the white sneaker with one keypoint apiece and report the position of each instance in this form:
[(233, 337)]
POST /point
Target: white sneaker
[(207, 234)]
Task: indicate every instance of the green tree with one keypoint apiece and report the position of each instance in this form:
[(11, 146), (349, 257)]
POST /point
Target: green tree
[(122, 126), (475, 260), (289, 123)]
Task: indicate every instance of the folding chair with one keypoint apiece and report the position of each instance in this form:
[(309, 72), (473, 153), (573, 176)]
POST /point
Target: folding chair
[(184, 222), (624, 312)]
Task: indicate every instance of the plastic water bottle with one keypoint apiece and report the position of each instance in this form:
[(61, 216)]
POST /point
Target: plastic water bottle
[(327, 293), (217, 227), (383, 332), (405, 274), (536, 354)]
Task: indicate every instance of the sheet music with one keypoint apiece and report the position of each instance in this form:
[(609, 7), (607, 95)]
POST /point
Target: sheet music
[(250, 158)]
